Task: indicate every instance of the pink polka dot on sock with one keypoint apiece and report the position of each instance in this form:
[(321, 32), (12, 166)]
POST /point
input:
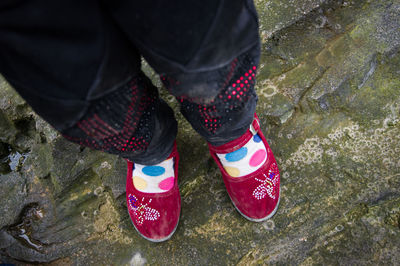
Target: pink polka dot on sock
[(257, 158), (167, 183)]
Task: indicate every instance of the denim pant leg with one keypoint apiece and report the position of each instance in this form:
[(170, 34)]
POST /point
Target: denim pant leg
[(200, 50), (227, 115), (132, 122), (86, 82)]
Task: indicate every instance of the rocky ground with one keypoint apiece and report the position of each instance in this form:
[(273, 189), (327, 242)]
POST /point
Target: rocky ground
[(329, 88)]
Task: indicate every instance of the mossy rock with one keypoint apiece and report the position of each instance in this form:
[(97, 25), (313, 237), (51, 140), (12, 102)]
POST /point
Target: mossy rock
[(329, 104)]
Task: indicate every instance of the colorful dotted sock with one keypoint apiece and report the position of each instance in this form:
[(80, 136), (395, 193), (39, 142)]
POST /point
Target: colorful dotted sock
[(154, 178), (245, 160)]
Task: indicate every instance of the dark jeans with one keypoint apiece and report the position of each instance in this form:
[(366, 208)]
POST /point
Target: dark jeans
[(77, 63)]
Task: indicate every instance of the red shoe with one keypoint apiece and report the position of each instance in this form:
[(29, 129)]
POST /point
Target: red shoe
[(154, 215), (256, 195)]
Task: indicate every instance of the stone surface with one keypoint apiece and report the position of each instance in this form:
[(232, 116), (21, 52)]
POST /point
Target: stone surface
[(330, 105)]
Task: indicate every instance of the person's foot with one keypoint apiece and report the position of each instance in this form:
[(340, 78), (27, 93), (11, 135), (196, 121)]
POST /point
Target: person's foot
[(153, 198), (250, 173)]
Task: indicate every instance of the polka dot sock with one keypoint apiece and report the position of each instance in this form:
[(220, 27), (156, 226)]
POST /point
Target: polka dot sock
[(245, 160), (154, 178)]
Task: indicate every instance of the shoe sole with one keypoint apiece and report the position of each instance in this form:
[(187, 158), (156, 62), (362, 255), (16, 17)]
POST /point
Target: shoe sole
[(261, 219)]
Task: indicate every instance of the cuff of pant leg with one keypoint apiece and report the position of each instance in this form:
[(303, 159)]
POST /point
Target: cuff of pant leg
[(153, 158), (237, 126), (165, 130)]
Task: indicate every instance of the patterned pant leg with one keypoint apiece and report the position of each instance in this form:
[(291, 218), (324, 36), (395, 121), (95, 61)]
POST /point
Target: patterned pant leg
[(227, 115), (124, 122)]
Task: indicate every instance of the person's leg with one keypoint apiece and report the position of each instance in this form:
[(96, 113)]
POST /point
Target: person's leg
[(78, 71), (198, 48), (207, 55), (84, 78), (131, 122), (236, 141), (228, 114)]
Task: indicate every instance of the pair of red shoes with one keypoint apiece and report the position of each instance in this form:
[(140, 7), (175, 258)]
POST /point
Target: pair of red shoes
[(255, 196)]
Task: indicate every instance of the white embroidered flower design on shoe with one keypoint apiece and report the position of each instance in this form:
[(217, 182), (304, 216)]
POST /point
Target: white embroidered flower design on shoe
[(142, 211), (267, 186)]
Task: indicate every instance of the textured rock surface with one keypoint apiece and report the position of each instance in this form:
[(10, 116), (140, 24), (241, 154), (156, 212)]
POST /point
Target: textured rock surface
[(329, 92)]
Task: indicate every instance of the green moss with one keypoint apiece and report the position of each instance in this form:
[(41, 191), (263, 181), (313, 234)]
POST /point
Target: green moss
[(41, 159), (357, 212)]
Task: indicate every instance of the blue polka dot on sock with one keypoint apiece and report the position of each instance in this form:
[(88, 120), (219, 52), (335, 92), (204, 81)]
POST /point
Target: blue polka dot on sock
[(256, 138), (236, 155), (153, 170)]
